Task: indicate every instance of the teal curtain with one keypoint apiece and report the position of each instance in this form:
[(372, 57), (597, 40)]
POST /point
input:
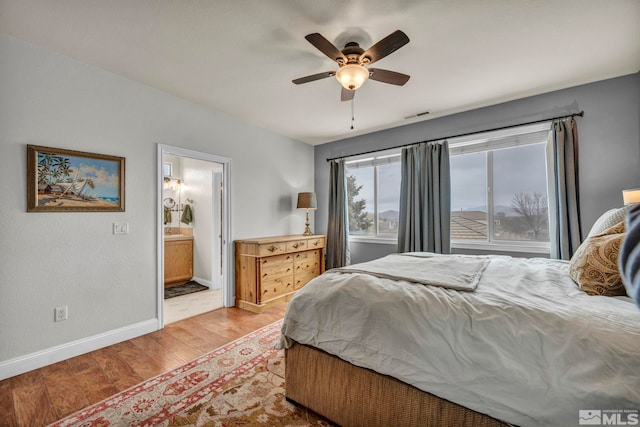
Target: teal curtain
[(562, 180), (338, 226), (425, 199)]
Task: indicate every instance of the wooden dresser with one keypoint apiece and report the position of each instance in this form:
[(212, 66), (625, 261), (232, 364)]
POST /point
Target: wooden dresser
[(269, 270)]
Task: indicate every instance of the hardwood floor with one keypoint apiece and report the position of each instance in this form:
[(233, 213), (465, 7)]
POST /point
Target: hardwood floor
[(45, 395)]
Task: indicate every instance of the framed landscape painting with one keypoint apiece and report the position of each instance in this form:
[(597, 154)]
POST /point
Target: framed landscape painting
[(64, 180)]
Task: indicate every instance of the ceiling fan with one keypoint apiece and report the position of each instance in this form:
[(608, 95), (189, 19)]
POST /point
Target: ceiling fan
[(352, 72)]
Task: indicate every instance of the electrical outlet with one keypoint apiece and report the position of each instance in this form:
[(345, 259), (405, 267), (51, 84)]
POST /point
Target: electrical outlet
[(61, 313)]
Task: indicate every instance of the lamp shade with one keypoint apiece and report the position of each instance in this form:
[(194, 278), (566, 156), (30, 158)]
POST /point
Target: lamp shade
[(631, 196), (352, 76), (307, 201)]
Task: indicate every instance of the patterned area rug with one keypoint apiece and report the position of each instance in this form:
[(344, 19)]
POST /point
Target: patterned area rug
[(187, 288), (240, 384)]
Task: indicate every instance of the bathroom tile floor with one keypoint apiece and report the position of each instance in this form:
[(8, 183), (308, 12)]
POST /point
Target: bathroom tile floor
[(190, 305)]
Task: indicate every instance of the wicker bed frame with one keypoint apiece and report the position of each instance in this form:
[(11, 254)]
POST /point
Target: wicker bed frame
[(352, 396)]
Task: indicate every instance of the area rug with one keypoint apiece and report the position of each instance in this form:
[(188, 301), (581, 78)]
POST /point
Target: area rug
[(187, 288), (239, 384)]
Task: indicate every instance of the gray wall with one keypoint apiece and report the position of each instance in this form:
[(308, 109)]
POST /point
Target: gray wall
[(609, 144), (55, 259)]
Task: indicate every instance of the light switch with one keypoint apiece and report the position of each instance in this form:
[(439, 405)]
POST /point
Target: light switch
[(121, 228)]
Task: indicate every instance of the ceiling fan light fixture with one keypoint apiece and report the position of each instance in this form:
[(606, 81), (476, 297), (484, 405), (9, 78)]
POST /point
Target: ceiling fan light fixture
[(352, 76)]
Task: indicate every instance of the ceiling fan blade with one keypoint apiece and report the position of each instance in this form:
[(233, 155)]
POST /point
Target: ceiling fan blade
[(347, 95), (386, 76), (326, 47), (314, 77), (384, 47)]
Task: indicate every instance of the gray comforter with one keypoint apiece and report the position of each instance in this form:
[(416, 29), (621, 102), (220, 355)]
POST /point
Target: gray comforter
[(526, 346)]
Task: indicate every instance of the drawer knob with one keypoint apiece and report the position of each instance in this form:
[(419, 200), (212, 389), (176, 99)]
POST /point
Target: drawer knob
[(295, 246), (316, 243), (272, 248)]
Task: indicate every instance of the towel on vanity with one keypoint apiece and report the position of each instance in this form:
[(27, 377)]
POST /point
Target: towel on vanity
[(187, 214)]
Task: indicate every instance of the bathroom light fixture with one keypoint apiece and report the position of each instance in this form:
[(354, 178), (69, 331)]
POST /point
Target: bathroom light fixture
[(352, 76), (172, 182), (307, 201)]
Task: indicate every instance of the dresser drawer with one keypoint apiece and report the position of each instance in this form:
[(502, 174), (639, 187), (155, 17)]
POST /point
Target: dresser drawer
[(296, 245), (307, 266), (277, 261), (303, 279), (272, 249), (316, 242), (306, 255), (275, 272), (273, 288)]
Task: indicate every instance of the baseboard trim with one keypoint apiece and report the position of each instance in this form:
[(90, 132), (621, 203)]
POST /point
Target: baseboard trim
[(205, 282), (29, 362)]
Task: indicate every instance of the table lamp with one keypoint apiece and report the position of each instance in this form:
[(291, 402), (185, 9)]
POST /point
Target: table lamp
[(629, 197), (307, 201)]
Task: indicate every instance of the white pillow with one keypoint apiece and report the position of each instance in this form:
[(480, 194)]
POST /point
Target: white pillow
[(609, 219)]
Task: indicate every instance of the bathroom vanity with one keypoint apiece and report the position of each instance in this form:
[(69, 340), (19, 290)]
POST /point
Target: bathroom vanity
[(178, 259)]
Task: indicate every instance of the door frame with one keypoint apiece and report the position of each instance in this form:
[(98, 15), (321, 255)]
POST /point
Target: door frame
[(228, 288), (217, 184)]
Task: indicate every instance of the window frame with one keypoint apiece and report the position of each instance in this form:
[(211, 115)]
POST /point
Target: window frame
[(489, 142), (374, 160)]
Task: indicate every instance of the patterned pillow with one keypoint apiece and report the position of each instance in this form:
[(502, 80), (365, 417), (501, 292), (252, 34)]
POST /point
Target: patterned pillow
[(609, 219), (594, 266)]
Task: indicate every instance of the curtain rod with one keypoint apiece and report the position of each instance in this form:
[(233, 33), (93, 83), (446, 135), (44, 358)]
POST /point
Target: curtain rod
[(581, 114)]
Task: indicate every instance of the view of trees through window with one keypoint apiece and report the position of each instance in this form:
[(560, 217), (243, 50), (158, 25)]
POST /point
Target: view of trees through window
[(496, 196), (359, 219), (373, 194)]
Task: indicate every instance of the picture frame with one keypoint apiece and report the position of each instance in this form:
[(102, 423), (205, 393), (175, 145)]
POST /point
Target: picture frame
[(60, 180)]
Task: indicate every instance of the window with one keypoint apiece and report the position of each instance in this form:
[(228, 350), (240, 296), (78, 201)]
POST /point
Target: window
[(373, 192), (167, 169), (499, 190)]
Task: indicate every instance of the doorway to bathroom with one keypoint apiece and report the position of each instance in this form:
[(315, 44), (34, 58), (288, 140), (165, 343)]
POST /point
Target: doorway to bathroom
[(193, 233)]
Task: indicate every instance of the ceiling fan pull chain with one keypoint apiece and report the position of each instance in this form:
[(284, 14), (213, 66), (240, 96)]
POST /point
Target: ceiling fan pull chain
[(352, 113)]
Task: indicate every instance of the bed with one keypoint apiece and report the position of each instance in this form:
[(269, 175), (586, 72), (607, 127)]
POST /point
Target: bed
[(505, 341)]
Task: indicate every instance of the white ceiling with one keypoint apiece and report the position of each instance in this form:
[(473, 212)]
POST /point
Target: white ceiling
[(239, 56)]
